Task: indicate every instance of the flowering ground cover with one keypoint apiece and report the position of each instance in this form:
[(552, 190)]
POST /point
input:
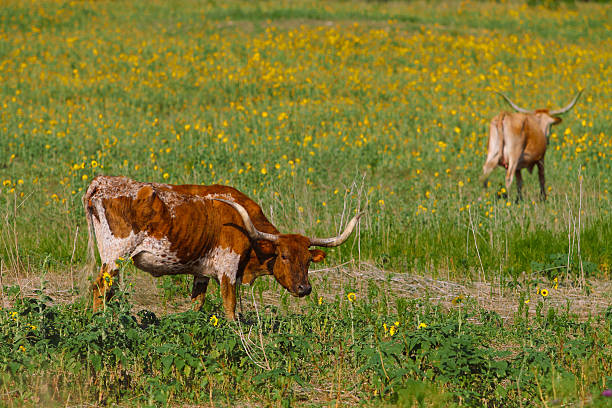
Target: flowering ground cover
[(315, 111)]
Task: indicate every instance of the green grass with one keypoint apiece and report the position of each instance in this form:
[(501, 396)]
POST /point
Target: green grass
[(111, 97), (314, 111), (349, 351)]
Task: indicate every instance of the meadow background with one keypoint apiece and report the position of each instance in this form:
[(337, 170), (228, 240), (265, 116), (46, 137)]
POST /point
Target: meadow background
[(315, 110)]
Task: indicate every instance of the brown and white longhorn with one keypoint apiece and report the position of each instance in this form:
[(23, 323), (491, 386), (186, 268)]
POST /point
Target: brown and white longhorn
[(518, 140), (205, 231)]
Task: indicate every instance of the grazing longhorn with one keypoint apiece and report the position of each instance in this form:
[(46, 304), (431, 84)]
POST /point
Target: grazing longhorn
[(518, 140), (205, 231)]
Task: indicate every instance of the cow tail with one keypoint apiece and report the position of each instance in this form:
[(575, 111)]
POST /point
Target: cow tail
[(500, 134)]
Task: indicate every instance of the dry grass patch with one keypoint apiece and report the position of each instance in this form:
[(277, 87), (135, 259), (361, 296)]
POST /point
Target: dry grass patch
[(330, 283)]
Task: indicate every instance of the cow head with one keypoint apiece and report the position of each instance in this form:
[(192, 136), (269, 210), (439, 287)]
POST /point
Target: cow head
[(290, 254), (545, 117)]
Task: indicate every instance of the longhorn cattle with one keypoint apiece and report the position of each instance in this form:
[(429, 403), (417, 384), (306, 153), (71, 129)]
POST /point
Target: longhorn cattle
[(518, 140), (205, 231)]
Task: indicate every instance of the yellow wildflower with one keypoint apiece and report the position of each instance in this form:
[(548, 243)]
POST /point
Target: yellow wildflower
[(108, 279), (351, 297), (457, 300)]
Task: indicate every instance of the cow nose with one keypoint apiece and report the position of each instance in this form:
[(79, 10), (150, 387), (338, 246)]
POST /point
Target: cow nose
[(304, 290)]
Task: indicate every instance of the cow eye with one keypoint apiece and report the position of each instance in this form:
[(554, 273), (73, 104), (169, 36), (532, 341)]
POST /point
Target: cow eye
[(284, 257)]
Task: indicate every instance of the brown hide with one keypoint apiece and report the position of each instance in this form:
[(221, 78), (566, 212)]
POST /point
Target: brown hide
[(192, 227), (254, 210), (292, 249)]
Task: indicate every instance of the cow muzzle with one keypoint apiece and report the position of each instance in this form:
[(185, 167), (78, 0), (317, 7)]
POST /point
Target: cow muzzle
[(304, 289)]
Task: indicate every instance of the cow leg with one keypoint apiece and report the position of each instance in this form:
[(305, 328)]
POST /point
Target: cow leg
[(102, 287), (510, 176), (198, 291), (513, 169), (542, 180), (488, 167), (228, 293), (519, 186)]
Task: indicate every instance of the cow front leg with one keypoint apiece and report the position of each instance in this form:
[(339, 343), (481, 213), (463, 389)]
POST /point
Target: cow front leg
[(102, 288), (228, 293), (519, 186), (198, 291), (540, 165)]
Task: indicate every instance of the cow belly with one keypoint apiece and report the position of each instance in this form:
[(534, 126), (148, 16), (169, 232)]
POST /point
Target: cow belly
[(155, 257), (159, 266)]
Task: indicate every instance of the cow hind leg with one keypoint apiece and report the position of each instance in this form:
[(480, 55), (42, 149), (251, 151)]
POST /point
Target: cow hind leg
[(542, 180), (512, 171), (488, 167), (494, 154), (519, 186), (102, 288), (198, 291)]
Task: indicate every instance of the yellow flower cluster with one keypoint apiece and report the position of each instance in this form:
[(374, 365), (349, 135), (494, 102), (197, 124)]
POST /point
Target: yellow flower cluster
[(279, 106), (392, 329)]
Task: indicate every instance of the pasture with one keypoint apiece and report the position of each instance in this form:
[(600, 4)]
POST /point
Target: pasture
[(447, 294)]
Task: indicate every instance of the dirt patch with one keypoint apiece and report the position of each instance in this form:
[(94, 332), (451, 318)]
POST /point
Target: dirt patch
[(329, 283), (494, 296)]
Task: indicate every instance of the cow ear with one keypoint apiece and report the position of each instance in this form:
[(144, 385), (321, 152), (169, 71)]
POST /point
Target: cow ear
[(317, 255), (557, 120), (267, 247)]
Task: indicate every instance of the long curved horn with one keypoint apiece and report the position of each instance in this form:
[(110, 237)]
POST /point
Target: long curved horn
[(516, 108), (253, 232), (568, 107), (335, 241)]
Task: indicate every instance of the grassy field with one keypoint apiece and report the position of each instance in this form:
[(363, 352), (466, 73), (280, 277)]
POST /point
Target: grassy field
[(315, 110)]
